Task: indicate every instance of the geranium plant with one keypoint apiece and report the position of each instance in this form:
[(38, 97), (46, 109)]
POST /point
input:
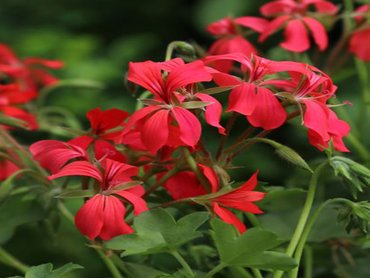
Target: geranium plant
[(148, 182)]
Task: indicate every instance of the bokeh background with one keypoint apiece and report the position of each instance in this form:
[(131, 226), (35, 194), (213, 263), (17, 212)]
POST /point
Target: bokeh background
[(96, 40)]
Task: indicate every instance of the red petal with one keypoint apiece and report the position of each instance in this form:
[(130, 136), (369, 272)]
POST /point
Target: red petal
[(53, 64), (242, 99), (358, 46), (184, 185), (89, 219), (256, 23), (277, 7), (213, 111), (296, 37), (137, 116), (273, 26), (148, 75), (113, 219), (83, 141), (154, 133), (318, 32), (138, 203), (211, 176), (228, 217), (78, 168), (268, 112), (316, 118), (101, 121), (117, 173), (187, 74), (189, 125), (104, 149)]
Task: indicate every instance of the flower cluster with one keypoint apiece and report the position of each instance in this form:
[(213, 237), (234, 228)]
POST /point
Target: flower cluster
[(20, 82)]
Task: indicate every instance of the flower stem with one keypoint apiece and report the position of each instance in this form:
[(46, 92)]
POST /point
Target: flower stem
[(106, 260), (109, 264), (11, 261), (306, 233), (308, 255), (168, 175), (182, 261), (300, 228), (256, 272), (194, 167), (363, 76), (218, 268)]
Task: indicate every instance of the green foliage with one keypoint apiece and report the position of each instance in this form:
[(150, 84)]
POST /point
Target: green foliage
[(355, 215), (157, 231), (46, 271), (354, 174), (251, 249)]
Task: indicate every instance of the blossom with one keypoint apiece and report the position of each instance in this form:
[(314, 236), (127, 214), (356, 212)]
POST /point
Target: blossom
[(230, 37), (251, 97), (103, 214), (165, 122), (312, 88), (241, 198), (185, 184), (294, 15), (357, 44), (106, 130)]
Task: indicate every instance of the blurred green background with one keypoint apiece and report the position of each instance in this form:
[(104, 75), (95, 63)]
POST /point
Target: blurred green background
[(96, 40)]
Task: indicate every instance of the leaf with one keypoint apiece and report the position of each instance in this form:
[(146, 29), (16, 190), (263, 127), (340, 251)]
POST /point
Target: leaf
[(195, 104), (13, 122), (157, 231), (249, 249), (216, 90), (46, 271), (142, 271), (75, 193), (7, 185), (16, 211), (286, 153)]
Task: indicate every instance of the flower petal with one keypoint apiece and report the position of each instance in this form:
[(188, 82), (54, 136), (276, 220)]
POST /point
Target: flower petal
[(228, 217), (318, 32), (189, 125), (213, 111), (296, 37), (78, 168)]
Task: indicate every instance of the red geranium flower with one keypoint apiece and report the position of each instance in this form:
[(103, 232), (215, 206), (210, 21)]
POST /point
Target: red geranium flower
[(358, 42), (296, 17), (103, 215), (230, 37), (164, 121)]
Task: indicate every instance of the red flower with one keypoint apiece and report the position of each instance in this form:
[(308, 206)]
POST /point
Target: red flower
[(251, 98), (53, 154), (165, 122), (7, 168), (106, 128), (294, 15), (103, 215), (357, 44), (231, 39), (241, 198), (185, 184)]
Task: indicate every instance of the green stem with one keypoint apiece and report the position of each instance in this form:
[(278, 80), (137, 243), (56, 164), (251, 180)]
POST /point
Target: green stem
[(109, 264), (218, 268), (300, 228), (363, 76), (229, 126), (308, 262), (194, 167), (360, 149), (256, 272), (253, 219), (308, 228), (183, 263), (11, 261), (242, 272)]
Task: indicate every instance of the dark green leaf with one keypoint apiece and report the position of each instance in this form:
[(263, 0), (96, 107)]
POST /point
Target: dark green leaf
[(46, 271), (216, 90), (157, 231), (249, 249)]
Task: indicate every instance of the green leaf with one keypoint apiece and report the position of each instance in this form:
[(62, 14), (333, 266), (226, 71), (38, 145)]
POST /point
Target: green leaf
[(195, 104), (75, 193), (249, 249), (7, 185), (16, 211), (142, 271), (216, 90), (157, 231), (286, 153), (13, 122), (46, 271)]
